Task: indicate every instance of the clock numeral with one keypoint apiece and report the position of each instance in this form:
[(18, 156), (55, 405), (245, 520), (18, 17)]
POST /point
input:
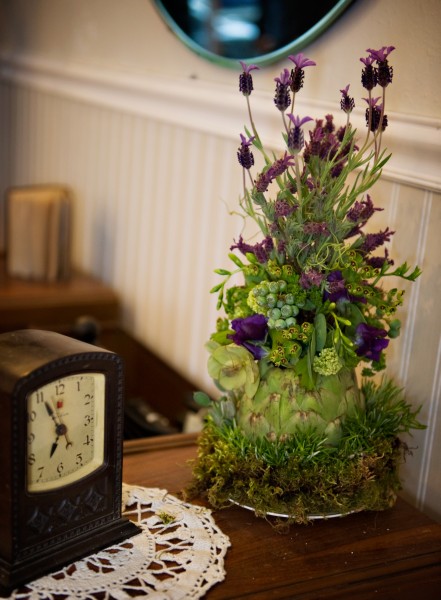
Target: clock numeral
[(31, 438), (87, 420), (88, 441), (39, 396), (59, 389), (31, 459), (79, 460), (87, 399), (60, 469), (40, 474), (32, 416)]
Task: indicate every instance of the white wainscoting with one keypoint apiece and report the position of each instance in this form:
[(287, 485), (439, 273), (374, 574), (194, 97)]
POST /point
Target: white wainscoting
[(153, 168)]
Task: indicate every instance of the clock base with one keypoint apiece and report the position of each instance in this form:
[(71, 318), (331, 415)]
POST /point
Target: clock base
[(59, 555)]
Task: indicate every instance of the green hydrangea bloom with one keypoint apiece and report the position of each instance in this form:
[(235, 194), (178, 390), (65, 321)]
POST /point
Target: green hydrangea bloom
[(327, 362)]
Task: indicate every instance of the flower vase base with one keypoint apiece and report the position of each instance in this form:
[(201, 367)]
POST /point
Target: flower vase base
[(227, 472), (311, 517)]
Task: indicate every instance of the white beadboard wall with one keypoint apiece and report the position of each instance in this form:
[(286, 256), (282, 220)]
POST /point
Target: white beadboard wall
[(155, 180)]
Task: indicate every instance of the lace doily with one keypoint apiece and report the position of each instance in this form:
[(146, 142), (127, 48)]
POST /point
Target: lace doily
[(179, 554)]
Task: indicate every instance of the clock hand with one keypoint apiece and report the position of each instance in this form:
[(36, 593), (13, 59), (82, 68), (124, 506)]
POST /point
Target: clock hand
[(54, 447), (60, 428)]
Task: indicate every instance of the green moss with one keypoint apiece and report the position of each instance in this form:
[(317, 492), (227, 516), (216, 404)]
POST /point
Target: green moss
[(229, 467)]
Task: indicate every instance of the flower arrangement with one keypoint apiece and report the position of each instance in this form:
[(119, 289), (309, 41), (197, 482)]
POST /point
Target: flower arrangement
[(293, 432)]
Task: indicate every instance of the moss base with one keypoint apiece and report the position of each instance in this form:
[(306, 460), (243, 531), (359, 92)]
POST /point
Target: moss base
[(230, 467)]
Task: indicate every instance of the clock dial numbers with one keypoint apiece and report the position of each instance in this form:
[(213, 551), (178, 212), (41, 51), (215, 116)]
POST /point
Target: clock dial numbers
[(65, 430)]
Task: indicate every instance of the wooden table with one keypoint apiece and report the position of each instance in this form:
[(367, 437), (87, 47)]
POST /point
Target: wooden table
[(391, 555)]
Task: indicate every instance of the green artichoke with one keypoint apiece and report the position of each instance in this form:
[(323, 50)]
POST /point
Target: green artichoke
[(281, 407)]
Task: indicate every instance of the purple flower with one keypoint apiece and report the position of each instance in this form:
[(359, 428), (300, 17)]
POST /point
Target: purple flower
[(371, 241), (311, 228), (336, 289), (347, 103), (374, 114), (370, 341), (311, 278), (297, 74), (369, 75), (261, 250), (244, 154), (245, 79), (381, 54), (301, 61), (359, 214), (275, 170), (248, 330), (296, 137), (282, 99), (283, 208)]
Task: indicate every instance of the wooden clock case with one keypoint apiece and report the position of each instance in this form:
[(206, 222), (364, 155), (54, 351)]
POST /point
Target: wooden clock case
[(46, 530)]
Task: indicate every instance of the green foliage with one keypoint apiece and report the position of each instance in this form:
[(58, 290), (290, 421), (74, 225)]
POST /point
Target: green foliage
[(302, 474)]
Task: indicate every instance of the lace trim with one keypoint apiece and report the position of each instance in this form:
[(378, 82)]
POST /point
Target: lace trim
[(179, 554)]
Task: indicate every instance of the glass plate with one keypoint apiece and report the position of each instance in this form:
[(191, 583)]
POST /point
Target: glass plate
[(286, 516)]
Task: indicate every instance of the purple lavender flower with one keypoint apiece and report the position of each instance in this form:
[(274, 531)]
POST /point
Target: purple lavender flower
[(245, 79), (377, 262), (261, 250), (362, 210), (371, 241), (370, 341), (283, 208), (311, 278), (248, 330), (244, 154), (360, 213), (275, 170), (381, 54), (296, 137), (369, 76), (316, 229), (347, 103), (282, 98), (297, 74), (373, 114)]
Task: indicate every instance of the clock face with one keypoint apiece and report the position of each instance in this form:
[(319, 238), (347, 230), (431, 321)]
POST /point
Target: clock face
[(65, 430)]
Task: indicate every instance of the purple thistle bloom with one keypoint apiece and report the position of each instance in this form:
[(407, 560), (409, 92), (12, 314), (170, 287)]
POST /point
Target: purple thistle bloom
[(244, 154), (370, 341), (282, 98), (296, 138), (248, 330), (347, 103), (245, 79)]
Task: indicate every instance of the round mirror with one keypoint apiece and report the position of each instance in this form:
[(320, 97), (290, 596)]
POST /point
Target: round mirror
[(261, 31)]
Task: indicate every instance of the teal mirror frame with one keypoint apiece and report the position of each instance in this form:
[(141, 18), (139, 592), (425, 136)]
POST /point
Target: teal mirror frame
[(271, 57)]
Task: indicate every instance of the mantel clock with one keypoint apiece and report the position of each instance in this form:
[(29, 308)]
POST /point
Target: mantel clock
[(61, 433)]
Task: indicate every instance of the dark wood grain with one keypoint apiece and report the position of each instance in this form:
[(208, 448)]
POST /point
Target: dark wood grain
[(395, 554)]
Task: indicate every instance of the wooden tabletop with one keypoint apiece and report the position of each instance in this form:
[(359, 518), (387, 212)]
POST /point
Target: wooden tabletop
[(395, 554)]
